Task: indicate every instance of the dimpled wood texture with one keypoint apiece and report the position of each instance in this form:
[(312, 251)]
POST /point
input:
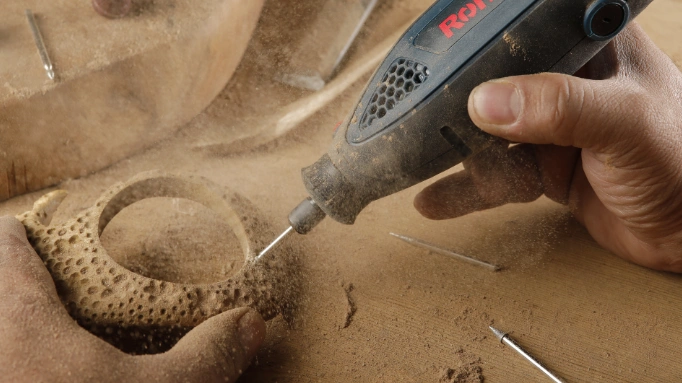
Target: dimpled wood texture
[(98, 291)]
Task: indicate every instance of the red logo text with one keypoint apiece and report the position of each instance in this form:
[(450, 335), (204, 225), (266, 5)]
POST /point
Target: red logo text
[(459, 20)]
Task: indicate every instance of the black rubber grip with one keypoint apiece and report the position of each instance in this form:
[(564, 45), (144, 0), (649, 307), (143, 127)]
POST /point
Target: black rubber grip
[(412, 122)]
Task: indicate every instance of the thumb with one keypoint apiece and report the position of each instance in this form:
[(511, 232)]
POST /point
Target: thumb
[(218, 350), (551, 108)]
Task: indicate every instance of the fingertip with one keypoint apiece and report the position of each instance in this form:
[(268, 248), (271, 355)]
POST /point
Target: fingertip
[(495, 105), (450, 197), (251, 329), (22, 273), (222, 347), (426, 206), (5, 219), (11, 225), (15, 246)]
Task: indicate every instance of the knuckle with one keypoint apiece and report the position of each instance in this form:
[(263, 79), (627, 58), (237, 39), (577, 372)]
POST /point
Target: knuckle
[(671, 264), (232, 359), (640, 118), (642, 106), (563, 103), (227, 357)]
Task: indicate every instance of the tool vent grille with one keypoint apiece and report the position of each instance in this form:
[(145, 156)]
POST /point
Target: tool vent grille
[(402, 78)]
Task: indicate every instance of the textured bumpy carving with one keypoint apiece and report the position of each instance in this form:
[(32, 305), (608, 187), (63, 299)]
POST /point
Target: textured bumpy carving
[(106, 297)]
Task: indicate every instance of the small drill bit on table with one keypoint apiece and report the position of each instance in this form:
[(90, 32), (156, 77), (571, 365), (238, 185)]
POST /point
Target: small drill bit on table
[(40, 44), (439, 250), (504, 338)]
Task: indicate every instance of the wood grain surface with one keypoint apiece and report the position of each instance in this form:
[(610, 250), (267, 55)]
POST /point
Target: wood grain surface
[(122, 84)]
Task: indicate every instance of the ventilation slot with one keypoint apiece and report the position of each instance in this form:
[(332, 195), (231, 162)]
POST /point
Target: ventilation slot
[(453, 139), (402, 78)]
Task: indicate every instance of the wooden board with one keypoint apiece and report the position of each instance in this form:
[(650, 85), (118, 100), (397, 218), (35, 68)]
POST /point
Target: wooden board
[(122, 84)]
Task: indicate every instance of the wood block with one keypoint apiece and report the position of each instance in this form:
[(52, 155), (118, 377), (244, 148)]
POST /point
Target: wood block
[(122, 84)]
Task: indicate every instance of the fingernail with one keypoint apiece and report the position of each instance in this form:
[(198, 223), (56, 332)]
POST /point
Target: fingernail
[(496, 103), (251, 329)]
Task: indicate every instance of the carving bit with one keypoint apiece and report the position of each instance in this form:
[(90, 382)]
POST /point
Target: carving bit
[(504, 338), (38, 38), (302, 219), (275, 242), (436, 249)]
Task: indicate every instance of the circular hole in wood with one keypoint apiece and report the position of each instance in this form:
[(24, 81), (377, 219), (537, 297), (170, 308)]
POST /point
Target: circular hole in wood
[(173, 239)]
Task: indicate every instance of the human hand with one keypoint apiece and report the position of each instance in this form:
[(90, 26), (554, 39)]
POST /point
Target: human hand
[(40, 342), (610, 147)]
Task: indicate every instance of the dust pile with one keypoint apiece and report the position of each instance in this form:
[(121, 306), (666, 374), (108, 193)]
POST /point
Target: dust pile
[(468, 369), (352, 307)]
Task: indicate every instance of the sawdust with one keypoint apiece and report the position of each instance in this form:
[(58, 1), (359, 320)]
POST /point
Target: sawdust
[(123, 85), (468, 369), (515, 48), (351, 307), (465, 374)]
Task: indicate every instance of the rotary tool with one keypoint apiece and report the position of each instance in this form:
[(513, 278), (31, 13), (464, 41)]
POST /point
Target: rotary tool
[(412, 122)]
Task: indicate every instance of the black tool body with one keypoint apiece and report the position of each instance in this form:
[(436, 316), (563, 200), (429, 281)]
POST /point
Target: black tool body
[(412, 121)]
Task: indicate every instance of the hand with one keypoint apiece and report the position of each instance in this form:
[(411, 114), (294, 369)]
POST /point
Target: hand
[(609, 147), (39, 342)]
